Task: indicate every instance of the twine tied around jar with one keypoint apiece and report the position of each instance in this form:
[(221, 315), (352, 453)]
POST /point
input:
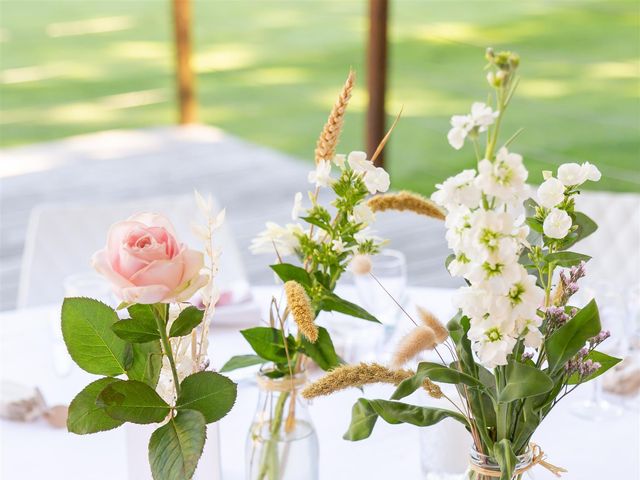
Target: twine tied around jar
[(285, 384), (538, 458)]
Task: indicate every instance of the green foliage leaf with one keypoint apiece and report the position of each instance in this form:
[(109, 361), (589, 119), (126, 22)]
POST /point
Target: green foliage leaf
[(330, 302), (139, 330), (268, 343), (503, 453), (133, 401), (176, 447), (242, 361), (586, 227), (397, 412), (188, 319), (441, 373), (146, 363), (566, 259), (210, 393), (322, 351), (565, 342), (86, 328), (287, 272), (363, 419), (87, 417), (523, 381), (606, 362)]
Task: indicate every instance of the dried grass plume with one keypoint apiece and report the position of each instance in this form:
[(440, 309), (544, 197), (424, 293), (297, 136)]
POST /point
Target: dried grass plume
[(300, 307), (406, 201), (328, 141), (431, 321), (418, 340), (347, 376)]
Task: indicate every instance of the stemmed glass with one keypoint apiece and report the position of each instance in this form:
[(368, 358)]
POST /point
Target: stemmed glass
[(612, 318), (381, 291)]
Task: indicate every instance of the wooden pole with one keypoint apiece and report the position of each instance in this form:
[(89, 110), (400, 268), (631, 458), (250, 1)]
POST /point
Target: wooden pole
[(184, 72), (377, 75)]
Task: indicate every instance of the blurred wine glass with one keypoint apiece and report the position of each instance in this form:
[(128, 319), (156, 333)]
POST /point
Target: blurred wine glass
[(612, 318), (84, 284), (381, 291)]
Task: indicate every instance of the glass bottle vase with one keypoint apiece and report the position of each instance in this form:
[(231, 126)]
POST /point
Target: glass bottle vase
[(282, 443), (484, 467)]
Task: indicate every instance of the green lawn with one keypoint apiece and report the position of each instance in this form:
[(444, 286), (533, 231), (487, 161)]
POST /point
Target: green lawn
[(269, 71)]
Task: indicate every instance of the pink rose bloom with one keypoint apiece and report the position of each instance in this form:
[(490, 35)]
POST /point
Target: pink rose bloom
[(145, 263)]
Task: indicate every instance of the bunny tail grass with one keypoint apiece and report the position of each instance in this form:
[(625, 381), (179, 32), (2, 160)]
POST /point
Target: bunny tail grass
[(406, 201)]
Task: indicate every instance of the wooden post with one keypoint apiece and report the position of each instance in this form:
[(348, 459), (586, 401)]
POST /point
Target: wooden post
[(377, 75), (184, 71)]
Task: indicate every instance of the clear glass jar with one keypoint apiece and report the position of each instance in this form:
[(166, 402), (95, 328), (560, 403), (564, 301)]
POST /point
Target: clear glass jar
[(488, 464), (282, 443)]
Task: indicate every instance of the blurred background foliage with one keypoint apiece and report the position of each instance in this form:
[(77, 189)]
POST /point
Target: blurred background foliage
[(269, 71)]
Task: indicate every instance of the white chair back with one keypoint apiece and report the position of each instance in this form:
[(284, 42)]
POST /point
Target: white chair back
[(62, 237)]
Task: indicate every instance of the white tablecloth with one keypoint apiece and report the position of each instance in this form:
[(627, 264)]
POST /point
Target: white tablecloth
[(34, 451)]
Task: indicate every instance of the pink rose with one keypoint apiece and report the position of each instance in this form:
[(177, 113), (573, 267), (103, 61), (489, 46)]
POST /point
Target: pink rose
[(145, 263)]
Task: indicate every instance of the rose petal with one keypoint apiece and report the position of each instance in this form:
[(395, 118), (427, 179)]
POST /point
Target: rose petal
[(191, 288), (146, 295), (154, 220), (100, 263), (193, 262), (167, 273)]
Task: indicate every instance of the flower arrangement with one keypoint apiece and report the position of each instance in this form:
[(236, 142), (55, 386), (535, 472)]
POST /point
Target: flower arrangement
[(325, 240), (152, 364), (516, 346)]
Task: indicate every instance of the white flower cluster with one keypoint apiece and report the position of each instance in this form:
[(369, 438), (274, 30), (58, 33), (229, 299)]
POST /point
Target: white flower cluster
[(486, 230), (479, 120), (286, 239), (552, 193)]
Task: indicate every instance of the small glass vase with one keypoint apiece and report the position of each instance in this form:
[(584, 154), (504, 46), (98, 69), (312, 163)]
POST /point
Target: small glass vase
[(484, 467), (282, 443)]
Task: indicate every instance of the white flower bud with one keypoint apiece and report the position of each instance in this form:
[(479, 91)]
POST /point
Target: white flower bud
[(550, 193), (557, 224)]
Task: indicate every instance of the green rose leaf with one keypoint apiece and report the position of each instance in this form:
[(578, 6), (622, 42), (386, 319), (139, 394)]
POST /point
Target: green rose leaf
[(363, 419), (133, 401), (523, 381), (606, 362), (268, 343), (146, 363), (176, 447), (87, 417), (322, 351), (565, 342), (287, 272), (397, 412), (242, 361), (138, 330), (188, 319), (330, 302), (503, 453), (92, 344), (566, 259), (211, 394)]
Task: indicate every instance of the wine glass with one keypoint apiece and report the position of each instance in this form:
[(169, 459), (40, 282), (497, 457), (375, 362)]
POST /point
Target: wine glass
[(383, 290), (612, 318)]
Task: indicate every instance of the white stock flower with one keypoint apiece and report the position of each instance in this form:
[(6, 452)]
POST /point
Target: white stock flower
[(321, 176), (504, 178), (359, 163), (492, 233), (339, 160), (482, 116), (496, 274), (285, 239), (362, 213), (338, 246), (367, 234), (376, 180), (492, 340), (533, 338), (556, 224), (461, 126), (459, 189), (573, 174), (521, 300), (550, 193), (297, 206)]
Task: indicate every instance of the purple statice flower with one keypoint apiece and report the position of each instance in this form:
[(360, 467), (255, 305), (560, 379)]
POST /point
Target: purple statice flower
[(555, 317), (527, 356), (598, 339), (588, 368), (569, 284)]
